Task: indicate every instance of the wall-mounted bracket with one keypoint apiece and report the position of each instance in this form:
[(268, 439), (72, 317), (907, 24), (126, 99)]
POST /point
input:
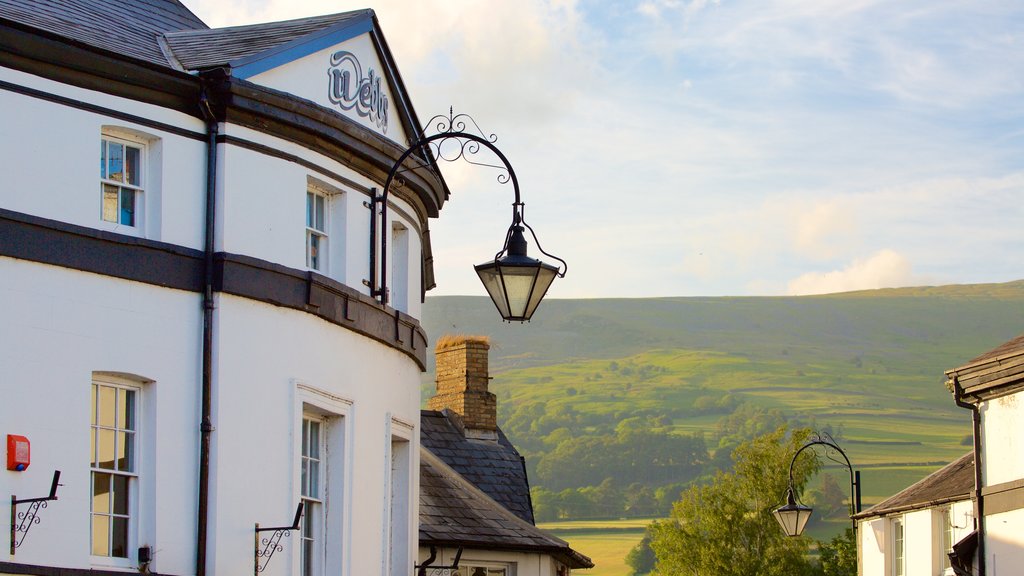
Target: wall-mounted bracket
[(266, 547), (428, 569), (23, 521)]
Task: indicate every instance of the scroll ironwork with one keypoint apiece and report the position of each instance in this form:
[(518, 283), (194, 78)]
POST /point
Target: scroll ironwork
[(22, 522)]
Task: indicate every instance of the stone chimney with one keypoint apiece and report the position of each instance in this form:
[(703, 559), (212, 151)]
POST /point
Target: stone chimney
[(462, 379)]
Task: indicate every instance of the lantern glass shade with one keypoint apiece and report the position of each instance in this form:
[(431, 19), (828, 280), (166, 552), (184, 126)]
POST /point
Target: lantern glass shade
[(793, 517), (516, 284)]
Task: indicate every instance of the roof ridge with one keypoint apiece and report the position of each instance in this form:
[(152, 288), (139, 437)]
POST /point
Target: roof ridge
[(293, 21)]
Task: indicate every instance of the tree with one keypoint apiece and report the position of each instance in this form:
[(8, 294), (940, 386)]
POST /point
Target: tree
[(726, 528), (641, 559), (839, 556)]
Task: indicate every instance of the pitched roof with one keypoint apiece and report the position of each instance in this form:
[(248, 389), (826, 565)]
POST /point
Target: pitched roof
[(951, 483), (237, 45), (493, 466), (998, 371), (454, 512), (128, 27)]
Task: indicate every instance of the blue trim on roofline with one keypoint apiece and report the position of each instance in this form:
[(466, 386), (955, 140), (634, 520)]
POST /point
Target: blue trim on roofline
[(250, 66)]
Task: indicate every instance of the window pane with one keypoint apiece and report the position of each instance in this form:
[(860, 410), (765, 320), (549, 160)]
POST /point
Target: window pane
[(314, 479), (309, 209), (100, 535), (107, 400), (131, 165), (92, 447), (126, 409), (110, 194), (314, 439), (126, 451), (119, 538), (127, 207), (319, 213), (305, 477), (314, 251), (115, 161), (103, 158), (100, 493), (105, 451), (120, 494)]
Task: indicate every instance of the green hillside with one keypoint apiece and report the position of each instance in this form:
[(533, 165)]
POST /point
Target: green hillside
[(590, 380)]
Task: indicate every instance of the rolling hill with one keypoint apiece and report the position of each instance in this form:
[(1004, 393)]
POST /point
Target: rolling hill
[(867, 365)]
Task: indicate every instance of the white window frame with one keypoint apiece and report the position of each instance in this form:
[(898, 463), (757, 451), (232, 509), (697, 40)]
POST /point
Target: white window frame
[(946, 539), (335, 522), (312, 466), (317, 229), (120, 385), (399, 274), (400, 480), (138, 190), (899, 547)]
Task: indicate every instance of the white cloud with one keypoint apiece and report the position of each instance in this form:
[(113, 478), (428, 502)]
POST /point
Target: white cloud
[(884, 269), (826, 229)]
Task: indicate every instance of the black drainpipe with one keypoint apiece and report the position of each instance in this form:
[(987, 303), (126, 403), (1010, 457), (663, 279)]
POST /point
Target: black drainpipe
[(206, 424), (958, 394)]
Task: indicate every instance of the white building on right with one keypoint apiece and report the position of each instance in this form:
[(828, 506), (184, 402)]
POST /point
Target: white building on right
[(967, 518), (992, 387)]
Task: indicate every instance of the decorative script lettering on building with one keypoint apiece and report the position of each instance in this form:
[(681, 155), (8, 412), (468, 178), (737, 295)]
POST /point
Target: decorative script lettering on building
[(350, 90)]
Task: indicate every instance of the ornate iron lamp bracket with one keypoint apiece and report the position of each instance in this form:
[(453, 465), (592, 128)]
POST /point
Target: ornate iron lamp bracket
[(428, 569), (450, 142), (23, 521), (266, 547), (831, 449)]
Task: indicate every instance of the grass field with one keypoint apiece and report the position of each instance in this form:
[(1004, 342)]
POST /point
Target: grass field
[(606, 542)]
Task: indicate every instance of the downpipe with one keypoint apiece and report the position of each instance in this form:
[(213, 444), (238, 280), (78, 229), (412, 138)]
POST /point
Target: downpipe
[(979, 506)]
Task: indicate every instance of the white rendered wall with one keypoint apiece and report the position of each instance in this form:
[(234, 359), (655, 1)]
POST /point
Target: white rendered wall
[(922, 533), (1004, 543), (1003, 434), (262, 213), (54, 173), (871, 547), (262, 353), (58, 327), (308, 78)]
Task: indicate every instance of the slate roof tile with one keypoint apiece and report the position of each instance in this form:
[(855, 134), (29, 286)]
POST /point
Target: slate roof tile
[(201, 49), (127, 27), (951, 483), (492, 466)]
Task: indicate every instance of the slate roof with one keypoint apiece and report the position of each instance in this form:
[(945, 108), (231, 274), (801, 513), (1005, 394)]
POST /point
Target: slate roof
[(128, 27), (201, 49), (454, 512), (952, 483), (495, 467), (1000, 370)]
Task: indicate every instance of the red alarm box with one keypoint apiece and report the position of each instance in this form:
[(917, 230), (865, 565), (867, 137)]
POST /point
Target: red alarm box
[(19, 452)]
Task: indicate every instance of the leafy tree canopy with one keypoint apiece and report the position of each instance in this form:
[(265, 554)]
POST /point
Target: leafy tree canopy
[(727, 528)]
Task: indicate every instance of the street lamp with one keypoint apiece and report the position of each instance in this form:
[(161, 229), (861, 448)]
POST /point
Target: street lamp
[(515, 282), (793, 516)]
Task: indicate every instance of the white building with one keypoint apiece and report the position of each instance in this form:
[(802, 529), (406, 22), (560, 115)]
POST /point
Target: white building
[(912, 532), (967, 518), (992, 387), (186, 333)]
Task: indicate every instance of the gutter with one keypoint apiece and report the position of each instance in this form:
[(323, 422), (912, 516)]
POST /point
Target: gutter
[(206, 424), (979, 500)]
